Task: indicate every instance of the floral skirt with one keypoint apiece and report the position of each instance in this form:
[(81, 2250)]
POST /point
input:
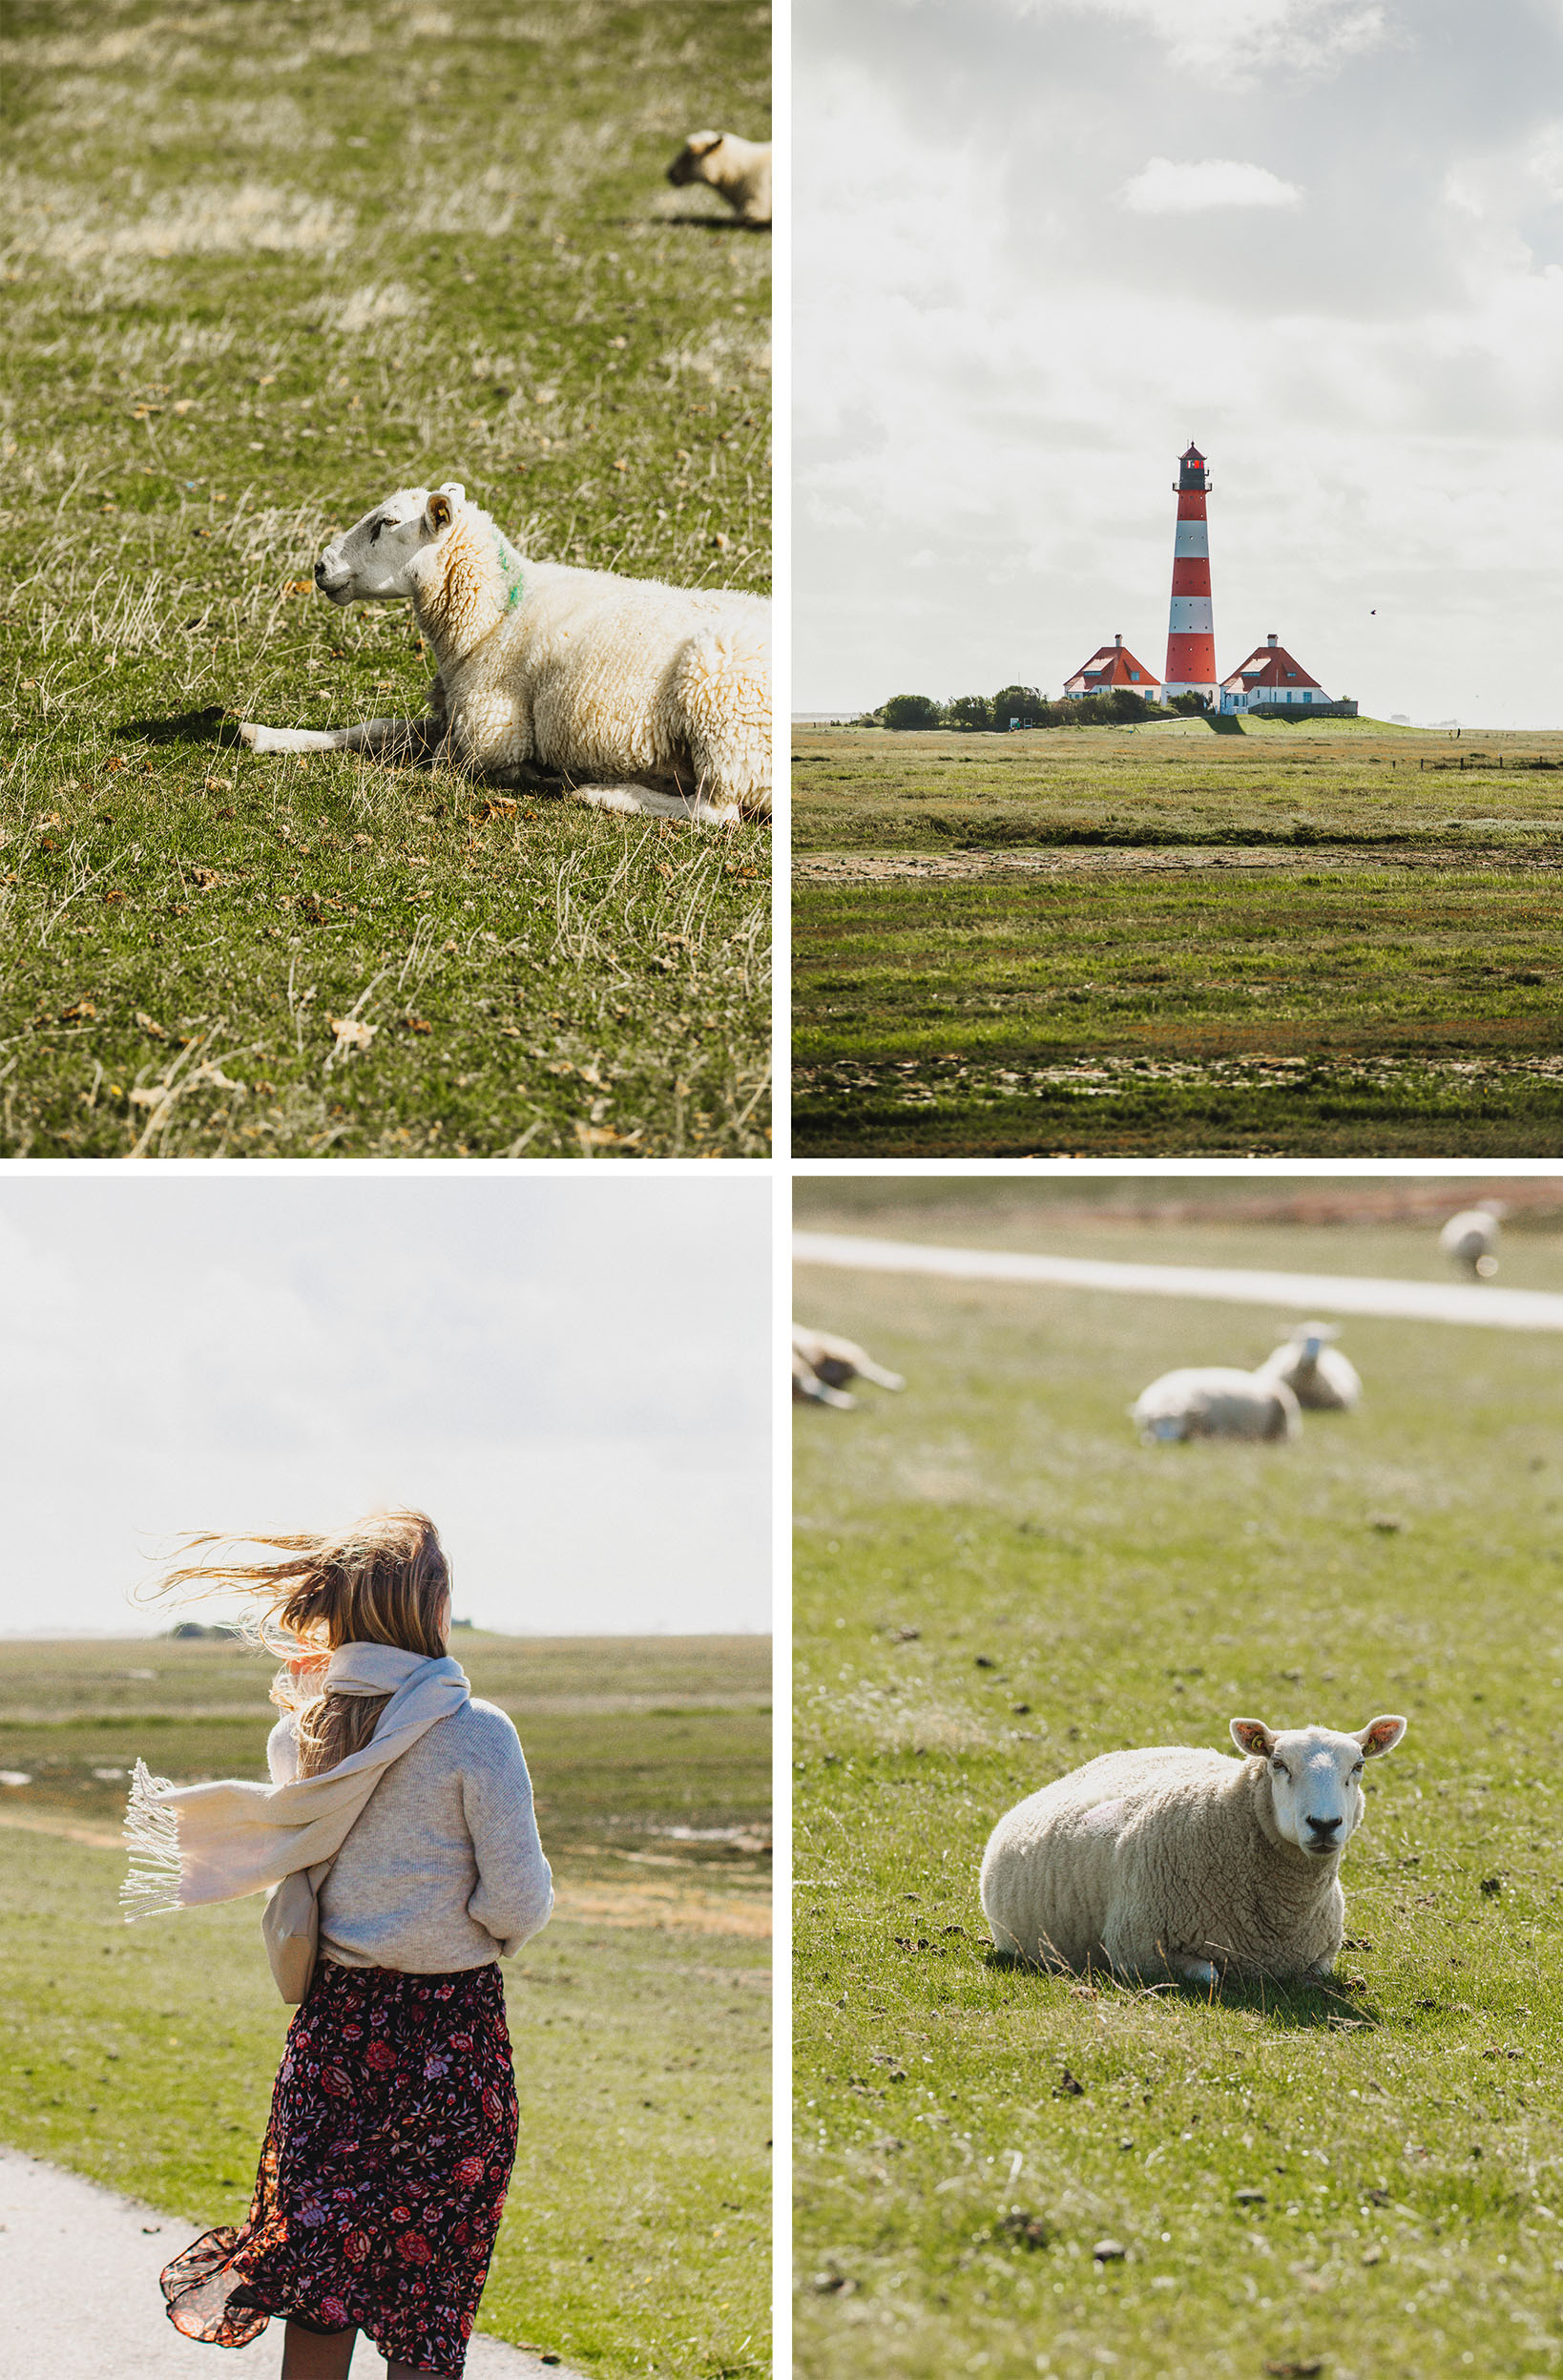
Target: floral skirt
[(383, 2174)]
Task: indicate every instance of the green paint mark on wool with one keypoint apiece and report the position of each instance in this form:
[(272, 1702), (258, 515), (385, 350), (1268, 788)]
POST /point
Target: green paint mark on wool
[(509, 562)]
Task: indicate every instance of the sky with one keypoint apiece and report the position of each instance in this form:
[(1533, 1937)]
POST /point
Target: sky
[(574, 1378), (1042, 244)]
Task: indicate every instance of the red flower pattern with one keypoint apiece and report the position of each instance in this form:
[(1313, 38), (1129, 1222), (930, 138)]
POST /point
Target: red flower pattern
[(330, 2234)]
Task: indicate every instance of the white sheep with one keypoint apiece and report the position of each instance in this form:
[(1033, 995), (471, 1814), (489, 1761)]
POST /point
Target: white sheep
[(1321, 1378), (836, 1361), (809, 1389), (1177, 1861), (1469, 1240), (593, 678), (1212, 1401), (738, 169)]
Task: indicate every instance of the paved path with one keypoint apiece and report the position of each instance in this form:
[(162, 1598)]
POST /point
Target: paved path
[(79, 2283), (1312, 1293)]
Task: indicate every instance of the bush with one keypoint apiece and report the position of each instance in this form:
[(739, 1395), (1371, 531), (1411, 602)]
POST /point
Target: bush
[(1022, 702), (972, 712), (909, 710)]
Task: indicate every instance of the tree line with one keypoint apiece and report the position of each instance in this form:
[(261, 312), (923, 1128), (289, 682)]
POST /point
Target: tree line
[(982, 714)]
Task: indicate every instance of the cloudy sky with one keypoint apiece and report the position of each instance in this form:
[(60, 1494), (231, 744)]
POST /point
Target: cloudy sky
[(572, 1377), (1042, 243)]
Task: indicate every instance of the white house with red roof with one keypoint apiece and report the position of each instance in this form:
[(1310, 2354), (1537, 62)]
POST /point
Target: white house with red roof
[(1268, 678), (1110, 667)]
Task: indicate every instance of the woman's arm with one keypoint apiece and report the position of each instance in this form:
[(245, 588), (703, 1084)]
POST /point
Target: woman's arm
[(514, 1895)]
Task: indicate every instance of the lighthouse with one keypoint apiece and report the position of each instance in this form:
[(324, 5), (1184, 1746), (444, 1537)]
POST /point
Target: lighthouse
[(1191, 636)]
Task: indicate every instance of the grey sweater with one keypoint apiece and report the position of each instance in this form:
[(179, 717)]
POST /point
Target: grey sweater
[(443, 1869)]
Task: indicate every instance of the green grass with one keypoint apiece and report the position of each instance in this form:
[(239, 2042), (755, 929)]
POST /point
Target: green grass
[(1369, 976), (261, 269), (1347, 782), (995, 1582), (144, 2055)]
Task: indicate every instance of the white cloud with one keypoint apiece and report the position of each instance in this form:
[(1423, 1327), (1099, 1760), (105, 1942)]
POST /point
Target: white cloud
[(1163, 187), (1236, 42)]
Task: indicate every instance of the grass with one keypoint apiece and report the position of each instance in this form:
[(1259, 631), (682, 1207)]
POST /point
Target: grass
[(1345, 783), (641, 2051), (1331, 942), (995, 1582), (261, 269)]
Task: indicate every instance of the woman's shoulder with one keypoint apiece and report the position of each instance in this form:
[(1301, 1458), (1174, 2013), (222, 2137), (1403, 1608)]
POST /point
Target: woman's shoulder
[(483, 1729)]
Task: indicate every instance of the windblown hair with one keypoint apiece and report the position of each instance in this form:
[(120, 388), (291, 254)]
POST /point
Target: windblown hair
[(383, 1581)]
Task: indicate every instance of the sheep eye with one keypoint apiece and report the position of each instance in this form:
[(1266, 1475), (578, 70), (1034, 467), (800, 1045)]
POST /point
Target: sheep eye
[(375, 531), (1283, 1772)]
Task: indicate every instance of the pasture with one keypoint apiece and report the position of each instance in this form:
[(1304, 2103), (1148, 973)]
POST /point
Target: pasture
[(1163, 940), (143, 2056), (264, 266), (994, 1582)]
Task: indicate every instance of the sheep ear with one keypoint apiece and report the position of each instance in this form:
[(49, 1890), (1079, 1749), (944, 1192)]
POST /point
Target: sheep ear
[(702, 144), (1252, 1735), (1380, 1735), (438, 511)]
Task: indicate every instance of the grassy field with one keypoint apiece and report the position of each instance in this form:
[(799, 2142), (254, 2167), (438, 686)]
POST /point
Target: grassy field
[(995, 1582), (1163, 940), (263, 266), (640, 2017)]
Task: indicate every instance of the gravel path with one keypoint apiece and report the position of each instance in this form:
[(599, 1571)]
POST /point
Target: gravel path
[(1165, 859), (79, 2283), (1311, 1294)]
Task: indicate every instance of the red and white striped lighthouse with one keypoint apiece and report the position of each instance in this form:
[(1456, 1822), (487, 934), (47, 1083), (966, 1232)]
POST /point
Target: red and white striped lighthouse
[(1191, 635)]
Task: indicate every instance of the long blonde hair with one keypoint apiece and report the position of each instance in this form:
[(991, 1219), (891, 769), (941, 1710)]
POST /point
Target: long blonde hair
[(383, 1581)]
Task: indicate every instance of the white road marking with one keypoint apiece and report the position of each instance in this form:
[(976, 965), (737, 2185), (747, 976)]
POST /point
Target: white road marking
[(1312, 1293)]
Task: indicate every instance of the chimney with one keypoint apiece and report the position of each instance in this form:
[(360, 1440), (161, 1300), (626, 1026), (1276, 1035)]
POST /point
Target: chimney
[(1117, 640), (1269, 640)]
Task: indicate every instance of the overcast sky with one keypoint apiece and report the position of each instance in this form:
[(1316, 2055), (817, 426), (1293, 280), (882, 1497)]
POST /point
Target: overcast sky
[(572, 1377), (1041, 245)]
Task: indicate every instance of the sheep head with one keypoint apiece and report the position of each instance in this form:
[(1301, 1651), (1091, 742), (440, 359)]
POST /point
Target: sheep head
[(1315, 1796), (373, 562)]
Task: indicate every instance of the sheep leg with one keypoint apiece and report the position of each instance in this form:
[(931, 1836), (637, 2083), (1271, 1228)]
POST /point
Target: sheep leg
[(399, 738), (1195, 1970), (646, 801)]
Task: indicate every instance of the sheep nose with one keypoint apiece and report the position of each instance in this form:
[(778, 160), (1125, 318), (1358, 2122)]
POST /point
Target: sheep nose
[(1325, 1826), (319, 574)]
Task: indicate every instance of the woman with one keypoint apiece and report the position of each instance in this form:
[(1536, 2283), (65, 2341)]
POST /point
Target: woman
[(393, 2120)]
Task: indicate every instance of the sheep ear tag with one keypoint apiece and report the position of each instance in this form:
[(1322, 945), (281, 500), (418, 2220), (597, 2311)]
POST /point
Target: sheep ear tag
[(1252, 1735), (1380, 1735)]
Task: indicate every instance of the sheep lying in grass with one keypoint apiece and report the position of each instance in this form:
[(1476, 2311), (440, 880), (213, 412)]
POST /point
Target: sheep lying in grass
[(1321, 1378), (1176, 1862), (1471, 1240), (738, 169), (593, 678), (1211, 1401), (822, 1366)]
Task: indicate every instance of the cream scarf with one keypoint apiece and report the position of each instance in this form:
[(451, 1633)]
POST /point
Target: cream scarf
[(191, 1843)]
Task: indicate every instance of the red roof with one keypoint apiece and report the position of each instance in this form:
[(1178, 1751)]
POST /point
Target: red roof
[(1268, 666), (1114, 666)]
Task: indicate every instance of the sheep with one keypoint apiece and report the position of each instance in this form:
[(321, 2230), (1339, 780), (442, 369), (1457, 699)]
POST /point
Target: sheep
[(1212, 1401), (1321, 1378), (1177, 1861), (809, 1389), (1468, 1239), (578, 672), (836, 1361), (738, 169)]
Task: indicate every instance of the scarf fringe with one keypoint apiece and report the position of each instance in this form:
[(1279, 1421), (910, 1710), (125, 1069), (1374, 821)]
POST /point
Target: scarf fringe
[(152, 1888)]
